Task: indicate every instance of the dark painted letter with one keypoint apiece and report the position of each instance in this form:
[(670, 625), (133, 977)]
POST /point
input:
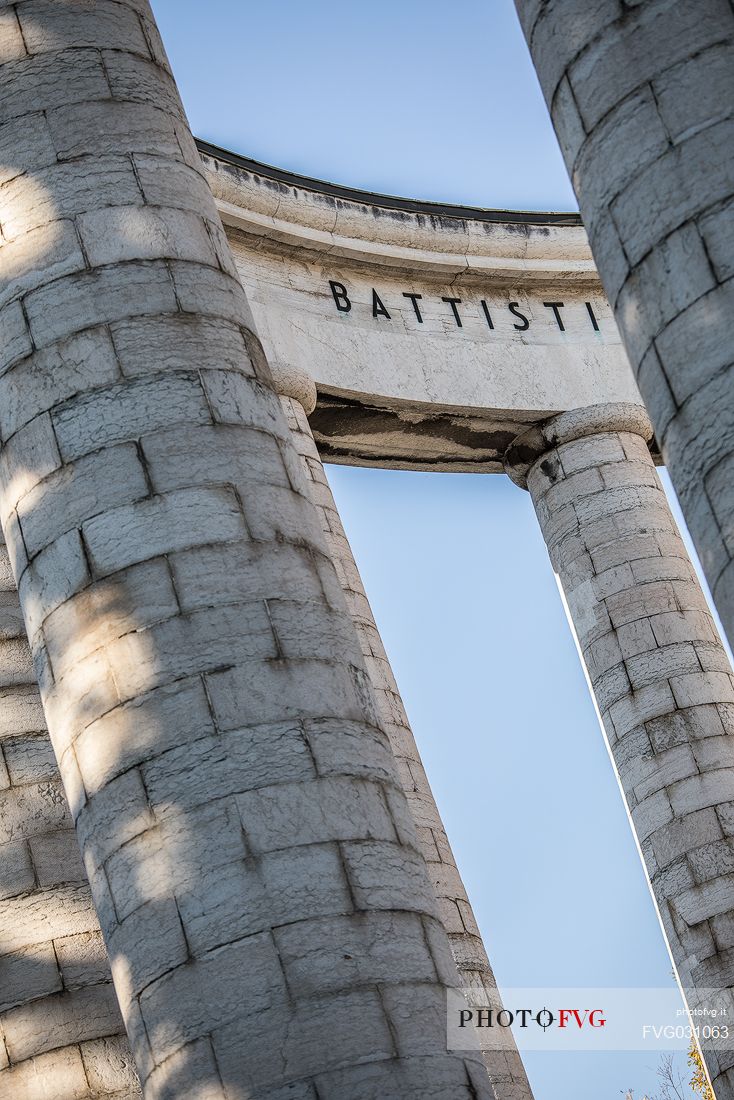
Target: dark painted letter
[(556, 307), (378, 309), (486, 312), (341, 300), (414, 299), (453, 302), (516, 313)]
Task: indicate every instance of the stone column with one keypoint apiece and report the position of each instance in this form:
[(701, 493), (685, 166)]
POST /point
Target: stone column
[(642, 100), (61, 1033), (662, 680), (251, 855), (298, 399)]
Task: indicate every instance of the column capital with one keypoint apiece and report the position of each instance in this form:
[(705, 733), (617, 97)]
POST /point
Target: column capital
[(529, 446), (293, 382)]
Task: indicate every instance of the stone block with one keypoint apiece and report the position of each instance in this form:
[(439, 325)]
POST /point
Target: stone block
[(308, 1038), (82, 959), (146, 945), (16, 869), (388, 876), (441, 1077), (652, 814), (16, 669), (30, 84), (57, 574), (333, 954), (609, 253), (86, 692), (700, 903), (238, 638), (692, 347), (56, 858), (660, 664), (652, 774), (696, 92), (128, 410), (304, 628), (274, 692), (172, 343), (712, 753), (63, 191), (33, 810), (15, 339), (29, 759), (567, 123), (135, 79), (700, 791), (109, 1067), (113, 817), (21, 711), (69, 367), (209, 576), (189, 1074), (61, 1020), (305, 882), (37, 152), (657, 201), (167, 718), (562, 30), (138, 873), (716, 229), (90, 298), (123, 233), (21, 268), (712, 860), (207, 994), (338, 808), (206, 291), (702, 687), (642, 601), (92, 619), (76, 492), (30, 456), (45, 1075), (173, 521), (235, 398), (665, 569), (28, 975), (627, 139), (178, 186), (644, 44), (47, 27), (223, 453), (635, 637)]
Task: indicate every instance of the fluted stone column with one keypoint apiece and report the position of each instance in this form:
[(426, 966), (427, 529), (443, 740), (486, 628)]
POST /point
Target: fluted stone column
[(642, 100), (61, 1033), (298, 399), (251, 855), (662, 680)]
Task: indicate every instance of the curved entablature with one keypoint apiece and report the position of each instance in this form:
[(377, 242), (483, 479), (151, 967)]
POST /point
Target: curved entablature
[(434, 333)]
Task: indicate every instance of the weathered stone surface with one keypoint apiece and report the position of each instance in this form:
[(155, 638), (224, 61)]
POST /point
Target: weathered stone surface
[(661, 678), (52, 959), (326, 738), (204, 700), (641, 98)]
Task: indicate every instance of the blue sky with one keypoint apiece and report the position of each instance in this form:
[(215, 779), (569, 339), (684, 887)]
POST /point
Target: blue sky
[(440, 101)]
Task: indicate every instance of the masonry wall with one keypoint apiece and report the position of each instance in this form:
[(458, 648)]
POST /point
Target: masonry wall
[(642, 100), (250, 852)]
